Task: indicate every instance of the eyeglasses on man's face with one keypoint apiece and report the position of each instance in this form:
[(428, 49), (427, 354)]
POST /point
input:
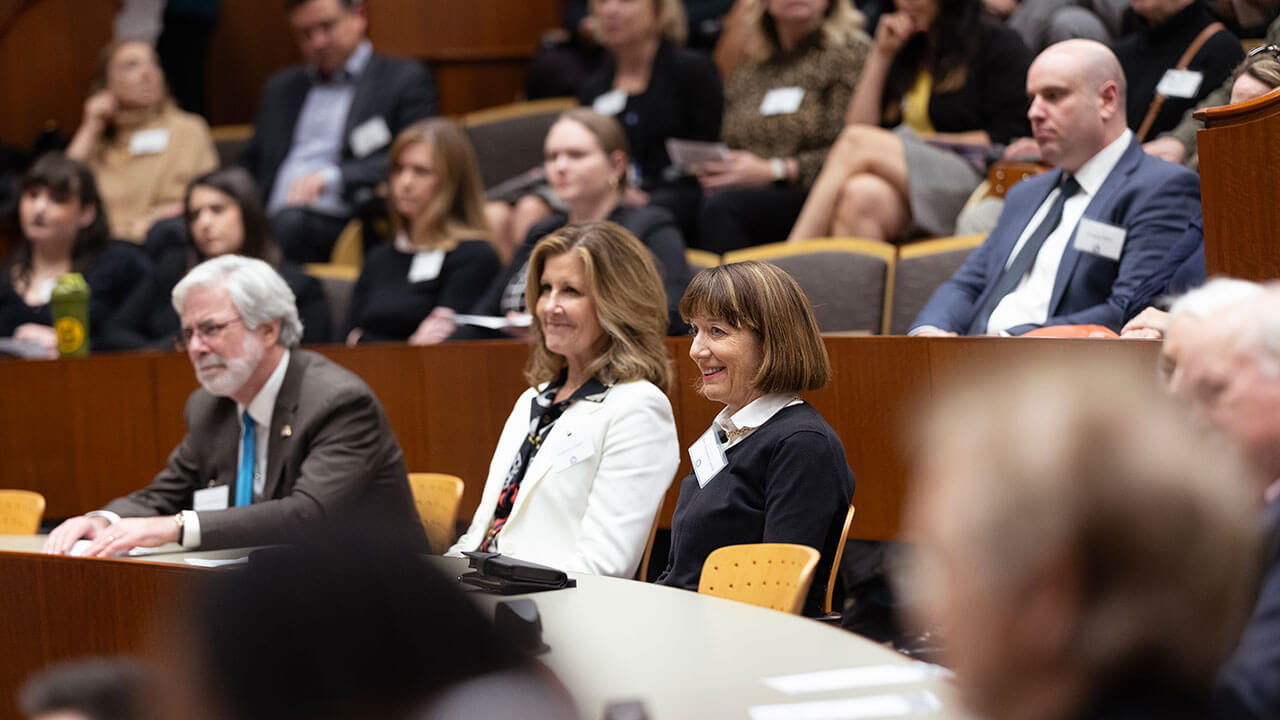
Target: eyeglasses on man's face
[(208, 331)]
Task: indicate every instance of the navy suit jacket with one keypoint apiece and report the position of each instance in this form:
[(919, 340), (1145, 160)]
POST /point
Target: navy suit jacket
[(1181, 270), (399, 91), (1150, 199), (1249, 684)]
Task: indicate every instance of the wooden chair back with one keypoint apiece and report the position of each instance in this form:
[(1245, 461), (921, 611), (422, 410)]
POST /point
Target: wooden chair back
[(771, 575), (437, 497), (642, 574), (20, 512), (835, 562)]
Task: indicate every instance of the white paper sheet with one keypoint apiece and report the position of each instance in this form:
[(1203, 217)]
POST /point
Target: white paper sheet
[(857, 677), (875, 706)]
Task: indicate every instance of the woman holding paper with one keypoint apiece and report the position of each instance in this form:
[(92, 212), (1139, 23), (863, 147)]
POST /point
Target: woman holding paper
[(769, 469), (940, 88), (589, 449), (783, 109), (141, 148), (441, 259), (586, 163)]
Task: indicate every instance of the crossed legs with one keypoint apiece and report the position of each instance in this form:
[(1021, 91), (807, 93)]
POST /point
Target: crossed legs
[(862, 190)]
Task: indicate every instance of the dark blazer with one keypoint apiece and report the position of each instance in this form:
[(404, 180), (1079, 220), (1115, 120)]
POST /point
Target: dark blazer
[(1249, 684), (1181, 270), (331, 454), (398, 91), (1152, 200)]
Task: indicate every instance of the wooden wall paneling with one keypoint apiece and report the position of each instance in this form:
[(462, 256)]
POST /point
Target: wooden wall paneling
[(469, 85), (34, 453), (876, 384), (461, 29), (46, 59), (23, 629), (251, 42)]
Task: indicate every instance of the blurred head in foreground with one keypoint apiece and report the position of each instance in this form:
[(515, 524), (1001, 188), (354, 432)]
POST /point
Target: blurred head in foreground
[(86, 689), (1079, 545), (351, 626)]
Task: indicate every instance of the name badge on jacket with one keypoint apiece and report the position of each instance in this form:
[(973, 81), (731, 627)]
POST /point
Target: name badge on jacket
[(1180, 83), (707, 457), (369, 136), (217, 497), (426, 265), (577, 452), (149, 142), (782, 101), (1099, 238), (610, 103)]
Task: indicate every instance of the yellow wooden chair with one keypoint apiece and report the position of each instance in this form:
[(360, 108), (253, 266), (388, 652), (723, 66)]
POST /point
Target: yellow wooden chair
[(771, 575), (20, 512), (827, 613), (922, 267), (437, 497), (349, 248)]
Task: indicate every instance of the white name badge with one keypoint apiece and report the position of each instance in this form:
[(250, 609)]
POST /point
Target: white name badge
[(572, 455), (707, 457), (610, 103), (782, 101), (1180, 83), (149, 142), (426, 265), (1099, 238), (369, 136), (213, 498)]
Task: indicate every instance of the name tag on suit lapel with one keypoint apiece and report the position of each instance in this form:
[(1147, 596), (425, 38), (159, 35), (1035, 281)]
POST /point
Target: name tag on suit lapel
[(149, 142), (426, 266), (578, 451), (707, 457), (610, 103), (369, 136), (1180, 83), (1099, 238), (212, 498), (782, 101)]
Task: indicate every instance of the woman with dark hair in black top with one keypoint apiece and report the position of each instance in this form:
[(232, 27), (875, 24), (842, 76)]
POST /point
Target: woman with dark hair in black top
[(940, 88), (775, 472), (64, 229), (224, 215)]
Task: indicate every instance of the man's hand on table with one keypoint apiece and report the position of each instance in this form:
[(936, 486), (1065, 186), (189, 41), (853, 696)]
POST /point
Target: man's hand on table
[(108, 540)]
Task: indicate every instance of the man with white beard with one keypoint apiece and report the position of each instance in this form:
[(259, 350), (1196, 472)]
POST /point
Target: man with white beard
[(278, 439)]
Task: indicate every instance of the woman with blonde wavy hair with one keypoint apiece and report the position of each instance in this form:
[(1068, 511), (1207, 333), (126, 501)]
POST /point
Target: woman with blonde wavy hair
[(441, 256), (589, 450)]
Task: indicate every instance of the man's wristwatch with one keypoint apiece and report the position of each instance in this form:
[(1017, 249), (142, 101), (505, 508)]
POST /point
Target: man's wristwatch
[(778, 167), (181, 527)]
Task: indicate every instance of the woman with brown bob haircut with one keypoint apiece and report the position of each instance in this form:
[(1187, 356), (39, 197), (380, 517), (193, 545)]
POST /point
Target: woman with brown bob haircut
[(776, 472), (441, 259), (589, 450)]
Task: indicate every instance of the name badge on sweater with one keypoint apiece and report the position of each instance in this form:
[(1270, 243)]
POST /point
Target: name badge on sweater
[(149, 142), (426, 265), (369, 136), (212, 498), (782, 101), (1099, 238), (610, 103), (707, 457), (1180, 83)]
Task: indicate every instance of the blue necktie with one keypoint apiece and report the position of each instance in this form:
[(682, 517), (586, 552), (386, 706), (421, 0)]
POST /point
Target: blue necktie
[(248, 453), (1021, 265)]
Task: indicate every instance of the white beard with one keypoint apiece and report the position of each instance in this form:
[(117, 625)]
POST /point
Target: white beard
[(223, 376)]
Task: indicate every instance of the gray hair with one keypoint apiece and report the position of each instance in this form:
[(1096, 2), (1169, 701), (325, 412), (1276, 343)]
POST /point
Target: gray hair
[(258, 292), (1213, 296)]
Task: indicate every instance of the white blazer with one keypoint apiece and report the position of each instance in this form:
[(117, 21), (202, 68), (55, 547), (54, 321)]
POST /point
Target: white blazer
[(590, 493)]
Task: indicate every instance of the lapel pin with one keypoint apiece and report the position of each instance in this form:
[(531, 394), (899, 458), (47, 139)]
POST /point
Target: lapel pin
[(286, 431)]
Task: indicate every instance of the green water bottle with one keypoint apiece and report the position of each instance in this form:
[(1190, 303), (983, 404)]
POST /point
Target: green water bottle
[(70, 305)]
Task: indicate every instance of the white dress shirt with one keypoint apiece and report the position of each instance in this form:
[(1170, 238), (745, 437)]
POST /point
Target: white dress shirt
[(738, 426), (1029, 301)]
